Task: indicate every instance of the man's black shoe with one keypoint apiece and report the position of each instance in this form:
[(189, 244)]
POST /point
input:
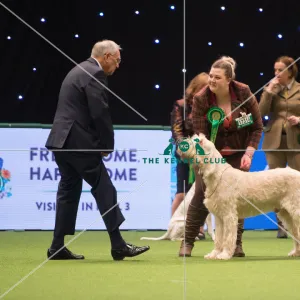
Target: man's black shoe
[(62, 254), (128, 250)]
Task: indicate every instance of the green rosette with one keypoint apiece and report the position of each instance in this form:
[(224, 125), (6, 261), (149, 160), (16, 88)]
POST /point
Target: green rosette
[(216, 117)]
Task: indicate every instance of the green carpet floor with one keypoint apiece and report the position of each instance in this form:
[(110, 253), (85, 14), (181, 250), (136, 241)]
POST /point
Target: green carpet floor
[(265, 273)]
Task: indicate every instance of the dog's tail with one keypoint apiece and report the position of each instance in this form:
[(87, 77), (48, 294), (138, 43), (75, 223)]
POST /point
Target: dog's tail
[(163, 237)]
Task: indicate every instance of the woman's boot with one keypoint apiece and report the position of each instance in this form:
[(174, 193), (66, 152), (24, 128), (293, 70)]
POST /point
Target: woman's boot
[(195, 218)]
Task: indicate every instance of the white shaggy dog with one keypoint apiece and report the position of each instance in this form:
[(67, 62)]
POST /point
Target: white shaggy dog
[(175, 230), (232, 194)]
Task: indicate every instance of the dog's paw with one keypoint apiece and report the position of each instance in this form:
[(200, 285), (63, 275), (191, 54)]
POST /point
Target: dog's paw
[(212, 255), (209, 256), (223, 256), (294, 253)]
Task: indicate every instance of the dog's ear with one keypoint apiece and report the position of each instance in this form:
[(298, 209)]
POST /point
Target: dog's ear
[(195, 136), (201, 138)]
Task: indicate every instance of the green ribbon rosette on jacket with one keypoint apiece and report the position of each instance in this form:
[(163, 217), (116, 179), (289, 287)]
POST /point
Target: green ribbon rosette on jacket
[(215, 116)]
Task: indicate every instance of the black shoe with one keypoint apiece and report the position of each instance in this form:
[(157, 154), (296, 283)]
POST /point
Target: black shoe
[(200, 236), (128, 250), (62, 254), (281, 234)]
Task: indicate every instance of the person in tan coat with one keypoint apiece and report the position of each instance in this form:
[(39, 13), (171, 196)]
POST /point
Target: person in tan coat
[(280, 101)]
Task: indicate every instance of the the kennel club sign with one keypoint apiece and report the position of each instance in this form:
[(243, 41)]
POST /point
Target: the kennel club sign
[(33, 178), (184, 145)]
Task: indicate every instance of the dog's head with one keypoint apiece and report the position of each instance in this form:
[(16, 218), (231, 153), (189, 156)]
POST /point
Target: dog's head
[(191, 147), (186, 148), (204, 143), (198, 150), (210, 160), (203, 148)]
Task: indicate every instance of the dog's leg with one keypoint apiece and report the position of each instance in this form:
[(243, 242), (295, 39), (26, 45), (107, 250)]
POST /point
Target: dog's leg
[(230, 223), (291, 226), (210, 229), (291, 221), (296, 230), (218, 242), (296, 234)]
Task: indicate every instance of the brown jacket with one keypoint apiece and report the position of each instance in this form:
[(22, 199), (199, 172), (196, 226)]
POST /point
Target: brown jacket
[(232, 137), (181, 126), (278, 108)]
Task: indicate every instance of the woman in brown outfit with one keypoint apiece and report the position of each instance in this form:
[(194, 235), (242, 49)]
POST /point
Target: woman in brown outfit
[(226, 93), (280, 101), (181, 126)]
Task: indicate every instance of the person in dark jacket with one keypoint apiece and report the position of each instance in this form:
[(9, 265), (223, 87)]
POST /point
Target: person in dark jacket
[(82, 133)]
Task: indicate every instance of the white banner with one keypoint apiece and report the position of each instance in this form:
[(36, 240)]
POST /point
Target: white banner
[(29, 180)]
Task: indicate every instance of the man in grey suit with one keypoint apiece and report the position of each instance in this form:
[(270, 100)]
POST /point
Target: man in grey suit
[(82, 123)]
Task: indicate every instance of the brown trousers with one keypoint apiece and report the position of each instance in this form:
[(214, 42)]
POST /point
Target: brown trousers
[(279, 159), (197, 211)]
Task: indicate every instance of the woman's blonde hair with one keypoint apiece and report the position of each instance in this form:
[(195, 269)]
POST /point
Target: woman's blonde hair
[(195, 85), (228, 64)]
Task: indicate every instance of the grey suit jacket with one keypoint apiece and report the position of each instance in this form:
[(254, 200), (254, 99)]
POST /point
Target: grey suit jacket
[(82, 119), (278, 108)]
